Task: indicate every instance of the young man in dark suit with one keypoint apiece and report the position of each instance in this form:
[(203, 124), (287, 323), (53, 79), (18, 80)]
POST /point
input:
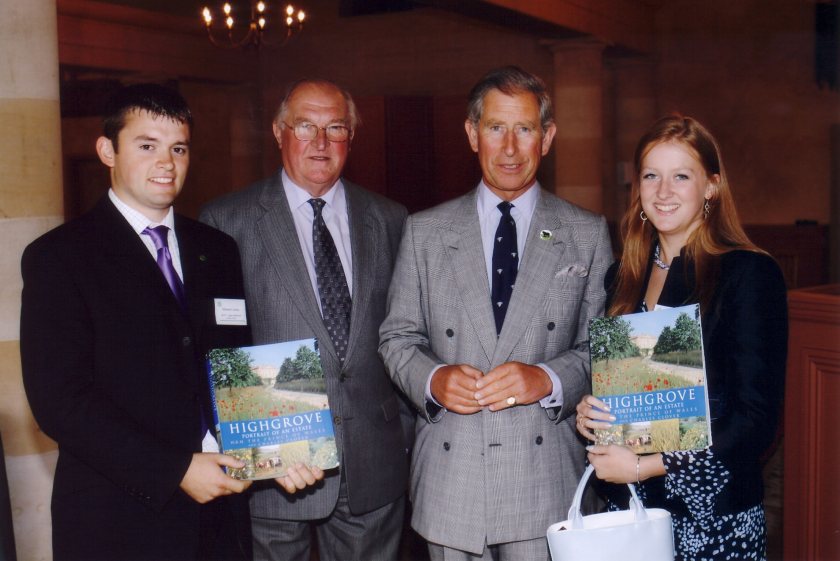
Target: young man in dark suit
[(117, 314)]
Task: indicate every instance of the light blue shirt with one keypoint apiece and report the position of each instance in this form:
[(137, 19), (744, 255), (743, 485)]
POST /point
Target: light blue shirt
[(488, 218), (336, 218)]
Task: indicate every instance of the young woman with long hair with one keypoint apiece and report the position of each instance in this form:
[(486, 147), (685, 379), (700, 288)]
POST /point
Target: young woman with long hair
[(683, 244)]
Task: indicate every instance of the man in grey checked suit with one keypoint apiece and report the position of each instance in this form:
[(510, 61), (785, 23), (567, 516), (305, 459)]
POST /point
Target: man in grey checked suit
[(358, 508), (496, 459)]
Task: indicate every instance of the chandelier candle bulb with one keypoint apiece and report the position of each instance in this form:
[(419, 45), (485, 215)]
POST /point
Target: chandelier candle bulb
[(255, 31)]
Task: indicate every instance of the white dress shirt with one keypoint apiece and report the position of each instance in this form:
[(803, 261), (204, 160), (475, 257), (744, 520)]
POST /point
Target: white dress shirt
[(337, 221), (139, 222)]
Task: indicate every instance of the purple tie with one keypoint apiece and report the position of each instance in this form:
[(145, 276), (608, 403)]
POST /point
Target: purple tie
[(164, 261)]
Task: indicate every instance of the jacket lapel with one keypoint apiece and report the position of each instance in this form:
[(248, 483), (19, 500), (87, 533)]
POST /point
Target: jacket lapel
[(277, 232), (123, 249), (463, 242), (535, 275), (365, 236)]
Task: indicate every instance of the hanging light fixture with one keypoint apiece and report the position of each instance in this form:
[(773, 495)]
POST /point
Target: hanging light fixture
[(260, 30)]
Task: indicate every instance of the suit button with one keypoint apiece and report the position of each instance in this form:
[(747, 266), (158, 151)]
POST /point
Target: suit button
[(186, 341), (450, 333), (538, 440), (550, 326), (446, 446), (337, 420), (342, 377)]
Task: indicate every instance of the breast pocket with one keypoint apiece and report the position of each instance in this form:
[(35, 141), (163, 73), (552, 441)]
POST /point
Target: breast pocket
[(566, 293)]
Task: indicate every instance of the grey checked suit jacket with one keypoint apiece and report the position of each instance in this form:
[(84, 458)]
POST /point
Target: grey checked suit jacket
[(282, 306), (503, 476)]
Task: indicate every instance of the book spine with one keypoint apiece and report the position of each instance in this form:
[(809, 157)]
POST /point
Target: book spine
[(216, 422)]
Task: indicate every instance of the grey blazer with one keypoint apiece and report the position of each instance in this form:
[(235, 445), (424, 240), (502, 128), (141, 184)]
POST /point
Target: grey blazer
[(504, 476), (282, 306)]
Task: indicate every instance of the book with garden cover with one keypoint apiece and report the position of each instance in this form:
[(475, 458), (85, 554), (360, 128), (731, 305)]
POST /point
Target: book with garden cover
[(270, 407), (649, 368)]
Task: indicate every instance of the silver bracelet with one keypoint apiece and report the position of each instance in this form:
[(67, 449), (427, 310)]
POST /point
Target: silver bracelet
[(638, 459)]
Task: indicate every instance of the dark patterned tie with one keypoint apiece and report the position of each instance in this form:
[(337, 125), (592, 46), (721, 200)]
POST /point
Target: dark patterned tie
[(332, 285), (505, 264), (164, 261)]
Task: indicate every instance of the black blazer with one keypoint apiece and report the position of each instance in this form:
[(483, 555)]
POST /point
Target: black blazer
[(114, 372), (745, 347)]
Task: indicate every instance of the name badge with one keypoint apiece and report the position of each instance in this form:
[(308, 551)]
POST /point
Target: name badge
[(230, 311)]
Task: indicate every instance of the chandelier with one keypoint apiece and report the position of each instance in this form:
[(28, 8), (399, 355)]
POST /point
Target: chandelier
[(260, 32)]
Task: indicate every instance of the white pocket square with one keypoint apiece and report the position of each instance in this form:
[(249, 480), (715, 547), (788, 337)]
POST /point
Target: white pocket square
[(572, 271)]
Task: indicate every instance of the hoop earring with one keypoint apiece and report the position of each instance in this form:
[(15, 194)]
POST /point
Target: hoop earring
[(706, 210), (643, 216)]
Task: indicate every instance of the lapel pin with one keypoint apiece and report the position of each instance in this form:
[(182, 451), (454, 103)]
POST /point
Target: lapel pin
[(545, 234), (202, 257)]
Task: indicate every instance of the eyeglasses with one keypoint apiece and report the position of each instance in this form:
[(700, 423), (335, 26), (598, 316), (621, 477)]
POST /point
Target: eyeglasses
[(305, 131)]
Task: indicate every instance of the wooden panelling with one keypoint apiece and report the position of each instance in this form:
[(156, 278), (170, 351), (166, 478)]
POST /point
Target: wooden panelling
[(811, 507), (801, 251)]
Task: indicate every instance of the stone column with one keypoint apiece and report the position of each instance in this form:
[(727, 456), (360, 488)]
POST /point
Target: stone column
[(30, 204), (635, 110), (578, 111)]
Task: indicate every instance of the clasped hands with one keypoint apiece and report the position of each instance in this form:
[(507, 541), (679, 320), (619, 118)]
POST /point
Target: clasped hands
[(466, 390)]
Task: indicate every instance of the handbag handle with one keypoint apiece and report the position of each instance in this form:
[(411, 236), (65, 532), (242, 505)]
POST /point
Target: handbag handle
[(574, 511)]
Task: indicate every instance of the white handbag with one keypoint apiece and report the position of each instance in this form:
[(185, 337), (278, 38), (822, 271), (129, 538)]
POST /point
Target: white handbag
[(637, 534)]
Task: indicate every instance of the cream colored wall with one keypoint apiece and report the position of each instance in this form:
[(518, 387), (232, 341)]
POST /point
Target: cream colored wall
[(30, 204)]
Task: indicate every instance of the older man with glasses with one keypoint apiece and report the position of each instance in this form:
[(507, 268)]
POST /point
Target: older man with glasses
[(317, 256)]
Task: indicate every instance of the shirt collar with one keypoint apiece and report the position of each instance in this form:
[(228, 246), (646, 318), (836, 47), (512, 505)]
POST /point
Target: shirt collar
[(487, 200), (298, 196), (138, 220)]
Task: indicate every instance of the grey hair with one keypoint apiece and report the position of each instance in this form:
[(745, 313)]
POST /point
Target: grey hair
[(510, 80), (352, 110)]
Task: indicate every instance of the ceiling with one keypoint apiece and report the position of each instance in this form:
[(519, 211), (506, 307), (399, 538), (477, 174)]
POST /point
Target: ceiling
[(349, 8)]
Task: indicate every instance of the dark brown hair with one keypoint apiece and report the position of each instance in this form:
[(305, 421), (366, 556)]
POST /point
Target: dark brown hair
[(157, 100)]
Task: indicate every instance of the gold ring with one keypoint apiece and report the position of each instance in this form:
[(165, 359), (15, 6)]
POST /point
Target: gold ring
[(511, 400)]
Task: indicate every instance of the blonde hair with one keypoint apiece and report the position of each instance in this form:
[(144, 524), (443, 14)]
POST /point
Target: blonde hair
[(719, 232)]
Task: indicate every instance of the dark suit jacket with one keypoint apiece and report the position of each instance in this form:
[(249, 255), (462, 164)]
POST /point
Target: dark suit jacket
[(113, 370), (745, 348), (282, 306)]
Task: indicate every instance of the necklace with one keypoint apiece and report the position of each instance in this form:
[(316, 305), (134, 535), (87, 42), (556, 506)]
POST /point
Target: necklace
[(658, 261)]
